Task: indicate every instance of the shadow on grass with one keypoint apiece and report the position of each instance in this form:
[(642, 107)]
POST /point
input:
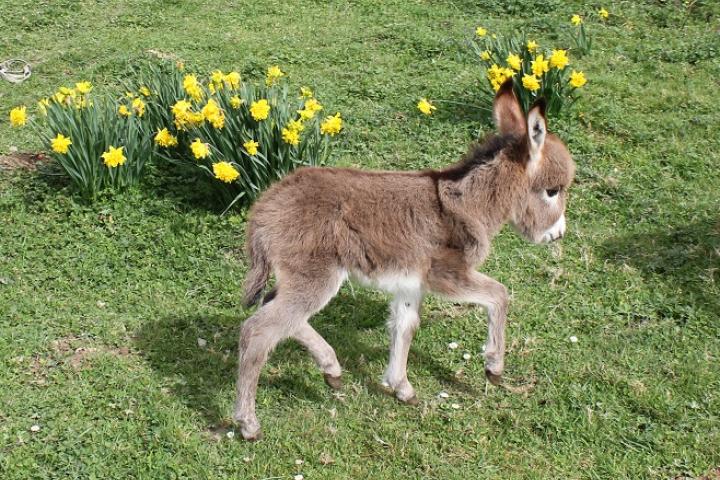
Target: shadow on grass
[(686, 259), (466, 106), (196, 374), (187, 188)]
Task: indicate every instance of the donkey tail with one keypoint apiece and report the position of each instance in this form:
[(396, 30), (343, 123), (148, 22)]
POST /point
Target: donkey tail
[(259, 273)]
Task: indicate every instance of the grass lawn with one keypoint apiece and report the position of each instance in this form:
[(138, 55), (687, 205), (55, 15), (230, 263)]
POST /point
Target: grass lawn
[(102, 305)]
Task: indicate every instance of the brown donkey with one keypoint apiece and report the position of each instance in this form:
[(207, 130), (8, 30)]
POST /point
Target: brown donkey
[(408, 233)]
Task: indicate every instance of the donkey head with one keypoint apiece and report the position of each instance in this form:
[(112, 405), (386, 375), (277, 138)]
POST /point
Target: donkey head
[(539, 213)]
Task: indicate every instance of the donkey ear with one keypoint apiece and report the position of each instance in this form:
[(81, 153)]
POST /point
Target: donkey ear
[(537, 129), (507, 113)]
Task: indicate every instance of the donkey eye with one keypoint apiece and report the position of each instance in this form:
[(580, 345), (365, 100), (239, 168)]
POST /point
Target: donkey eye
[(552, 192)]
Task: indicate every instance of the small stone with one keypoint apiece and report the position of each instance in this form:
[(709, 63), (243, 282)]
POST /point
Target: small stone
[(466, 356), (101, 304), (573, 339), (326, 458), (202, 343), (299, 462), (455, 406), (246, 459), (230, 434), (35, 428), (443, 395), (298, 477), (452, 345)]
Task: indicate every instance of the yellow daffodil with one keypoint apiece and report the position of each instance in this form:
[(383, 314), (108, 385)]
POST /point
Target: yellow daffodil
[(181, 112), (331, 125), (498, 75), (192, 87), (260, 109), (480, 32), (514, 61), (225, 172), (426, 107), (576, 20), (273, 75), (124, 111), (604, 14), (313, 105), (139, 107), (296, 125), (18, 116), (305, 92), (200, 149), (530, 82), (217, 77), (144, 91), (83, 87), (539, 66), (43, 104), (291, 137), (232, 79), (114, 157), (251, 147), (485, 55), (211, 110), (195, 118), (60, 144), (577, 79), (236, 101), (559, 59), (165, 139), (305, 114), (532, 46)]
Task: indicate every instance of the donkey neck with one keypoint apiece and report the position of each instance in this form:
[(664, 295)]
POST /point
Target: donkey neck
[(481, 193)]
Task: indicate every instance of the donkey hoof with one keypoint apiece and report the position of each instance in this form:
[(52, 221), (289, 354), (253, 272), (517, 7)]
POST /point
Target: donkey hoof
[(412, 401), (333, 382), (251, 435), (494, 379)]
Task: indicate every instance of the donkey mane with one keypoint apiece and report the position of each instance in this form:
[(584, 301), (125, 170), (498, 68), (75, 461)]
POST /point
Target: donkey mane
[(480, 154)]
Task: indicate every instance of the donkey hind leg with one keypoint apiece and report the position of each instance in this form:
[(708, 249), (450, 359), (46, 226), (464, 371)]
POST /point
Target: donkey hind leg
[(322, 353), (480, 289), (404, 320), (275, 321)]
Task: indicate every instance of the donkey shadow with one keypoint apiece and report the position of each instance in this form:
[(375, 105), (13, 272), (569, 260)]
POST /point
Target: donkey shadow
[(195, 373), (686, 259)]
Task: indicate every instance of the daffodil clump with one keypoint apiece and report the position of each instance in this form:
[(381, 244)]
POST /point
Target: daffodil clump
[(95, 142), (240, 135), (536, 71)]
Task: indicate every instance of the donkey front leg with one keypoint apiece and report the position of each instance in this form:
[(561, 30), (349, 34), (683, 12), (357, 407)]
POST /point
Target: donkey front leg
[(480, 289), (322, 353), (404, 320)]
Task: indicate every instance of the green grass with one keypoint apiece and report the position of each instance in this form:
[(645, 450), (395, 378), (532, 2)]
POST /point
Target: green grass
[(136, 279)]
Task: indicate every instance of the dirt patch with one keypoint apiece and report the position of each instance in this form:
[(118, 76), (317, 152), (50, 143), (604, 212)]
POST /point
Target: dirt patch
[(220, 432), (711, 475), (21, 161), (75, 352)]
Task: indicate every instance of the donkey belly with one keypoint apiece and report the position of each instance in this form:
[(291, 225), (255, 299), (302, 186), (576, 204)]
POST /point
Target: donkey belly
[(397, 283)]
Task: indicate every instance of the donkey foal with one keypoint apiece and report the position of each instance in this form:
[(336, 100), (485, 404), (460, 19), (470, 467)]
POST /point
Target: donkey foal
[(408, 233)]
